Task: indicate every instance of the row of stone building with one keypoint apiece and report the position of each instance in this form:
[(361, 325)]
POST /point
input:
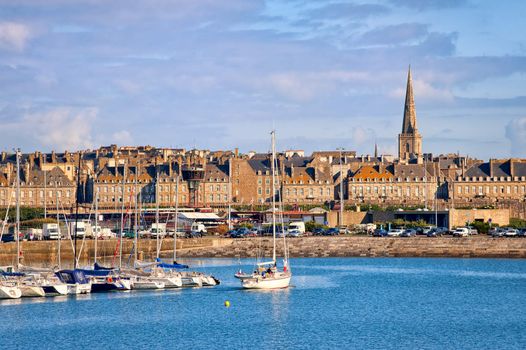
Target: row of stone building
[(213, 179)]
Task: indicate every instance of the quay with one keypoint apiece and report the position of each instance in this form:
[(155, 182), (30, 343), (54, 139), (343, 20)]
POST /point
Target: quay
[(45, 253)]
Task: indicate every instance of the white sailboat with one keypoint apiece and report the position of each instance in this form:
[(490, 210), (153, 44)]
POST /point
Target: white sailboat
[(267, 275), (29, 287)]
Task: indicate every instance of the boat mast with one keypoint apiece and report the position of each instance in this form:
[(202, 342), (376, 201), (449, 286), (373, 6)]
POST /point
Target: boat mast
[(58, 227), (341, 190), (273, 168), (77, 212), (136, 222), (176, 219), (230, 193), (157, 210), (18, 209), (96, 221), (122, 214), (45, 189)]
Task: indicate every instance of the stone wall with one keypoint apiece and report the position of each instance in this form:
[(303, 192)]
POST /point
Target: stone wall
[(45, 253), (348, 246)]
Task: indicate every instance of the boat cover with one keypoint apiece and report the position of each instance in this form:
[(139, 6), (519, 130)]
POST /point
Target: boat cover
[(164, 265)]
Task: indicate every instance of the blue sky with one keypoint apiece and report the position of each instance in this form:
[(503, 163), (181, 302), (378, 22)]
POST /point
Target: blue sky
[(221, 74)]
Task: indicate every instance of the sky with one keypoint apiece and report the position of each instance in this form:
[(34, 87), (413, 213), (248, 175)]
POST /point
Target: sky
[(208, 74)]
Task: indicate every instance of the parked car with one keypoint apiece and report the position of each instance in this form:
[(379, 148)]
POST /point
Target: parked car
[(294, 233), (408, 233), (511, 232), (472, 230), (496, 232), (437, 231), (194, 234), (426, 229), (343, 230), (332, 232), (8, 237), (318, 231), (461, 232), (379, 232), (395, 232)]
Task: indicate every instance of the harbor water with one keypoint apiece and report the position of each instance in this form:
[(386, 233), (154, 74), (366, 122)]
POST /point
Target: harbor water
[(334, 303)]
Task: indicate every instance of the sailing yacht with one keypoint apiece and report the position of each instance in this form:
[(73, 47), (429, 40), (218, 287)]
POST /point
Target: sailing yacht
[(267, 275)]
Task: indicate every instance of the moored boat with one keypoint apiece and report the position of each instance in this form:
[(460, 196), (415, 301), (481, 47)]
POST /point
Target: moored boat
[(76, 281)]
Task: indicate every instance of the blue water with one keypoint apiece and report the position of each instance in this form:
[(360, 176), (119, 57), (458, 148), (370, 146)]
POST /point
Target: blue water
[(334, 303)]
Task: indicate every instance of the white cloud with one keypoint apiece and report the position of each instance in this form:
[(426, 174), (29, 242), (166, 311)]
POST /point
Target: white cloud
[(516, 133), (306, 86), (122, 137), (62, 128), (423, 90), (14, 36), (360, 136)]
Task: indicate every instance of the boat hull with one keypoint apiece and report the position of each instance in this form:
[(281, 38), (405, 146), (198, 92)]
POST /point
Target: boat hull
[(8, 292), (170, 282), (55, 289), (259, 282), (194, 281), (32, 291), (147, 284), (79, 288)]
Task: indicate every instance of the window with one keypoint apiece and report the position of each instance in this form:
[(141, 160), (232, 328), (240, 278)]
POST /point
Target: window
[(211, 188), (260, 181), (259, 190), (267, 191), (211, 197)]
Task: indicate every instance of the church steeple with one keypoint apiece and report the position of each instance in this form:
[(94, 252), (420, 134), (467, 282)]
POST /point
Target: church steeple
[(409, 140), (409, 124)]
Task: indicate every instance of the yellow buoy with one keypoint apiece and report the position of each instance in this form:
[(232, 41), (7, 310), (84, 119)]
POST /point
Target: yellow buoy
[(227, 303)]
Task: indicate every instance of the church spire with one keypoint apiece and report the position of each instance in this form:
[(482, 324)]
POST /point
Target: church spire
[(375, 150), (409, 124)]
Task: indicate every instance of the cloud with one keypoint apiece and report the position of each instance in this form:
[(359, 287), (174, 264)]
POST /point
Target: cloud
[(14, 36), (425, 91), (361, 135), (350, 11), (394, 34), (122, 137), (422, 5), (516, 134), (305, 86), (62, 128)]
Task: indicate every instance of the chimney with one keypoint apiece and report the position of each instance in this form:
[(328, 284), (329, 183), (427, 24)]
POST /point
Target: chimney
[(4, 156), (170, 169), (512, 168), (26, 172), (491, 163), (236, 152), (31, 160), (53, 157)]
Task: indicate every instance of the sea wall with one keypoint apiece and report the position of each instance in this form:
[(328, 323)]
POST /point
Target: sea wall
[(45, 253), (346, 246)]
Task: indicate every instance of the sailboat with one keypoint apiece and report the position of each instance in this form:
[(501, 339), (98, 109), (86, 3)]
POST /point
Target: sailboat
[(29, 287), (76, 280), (267, 275)]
